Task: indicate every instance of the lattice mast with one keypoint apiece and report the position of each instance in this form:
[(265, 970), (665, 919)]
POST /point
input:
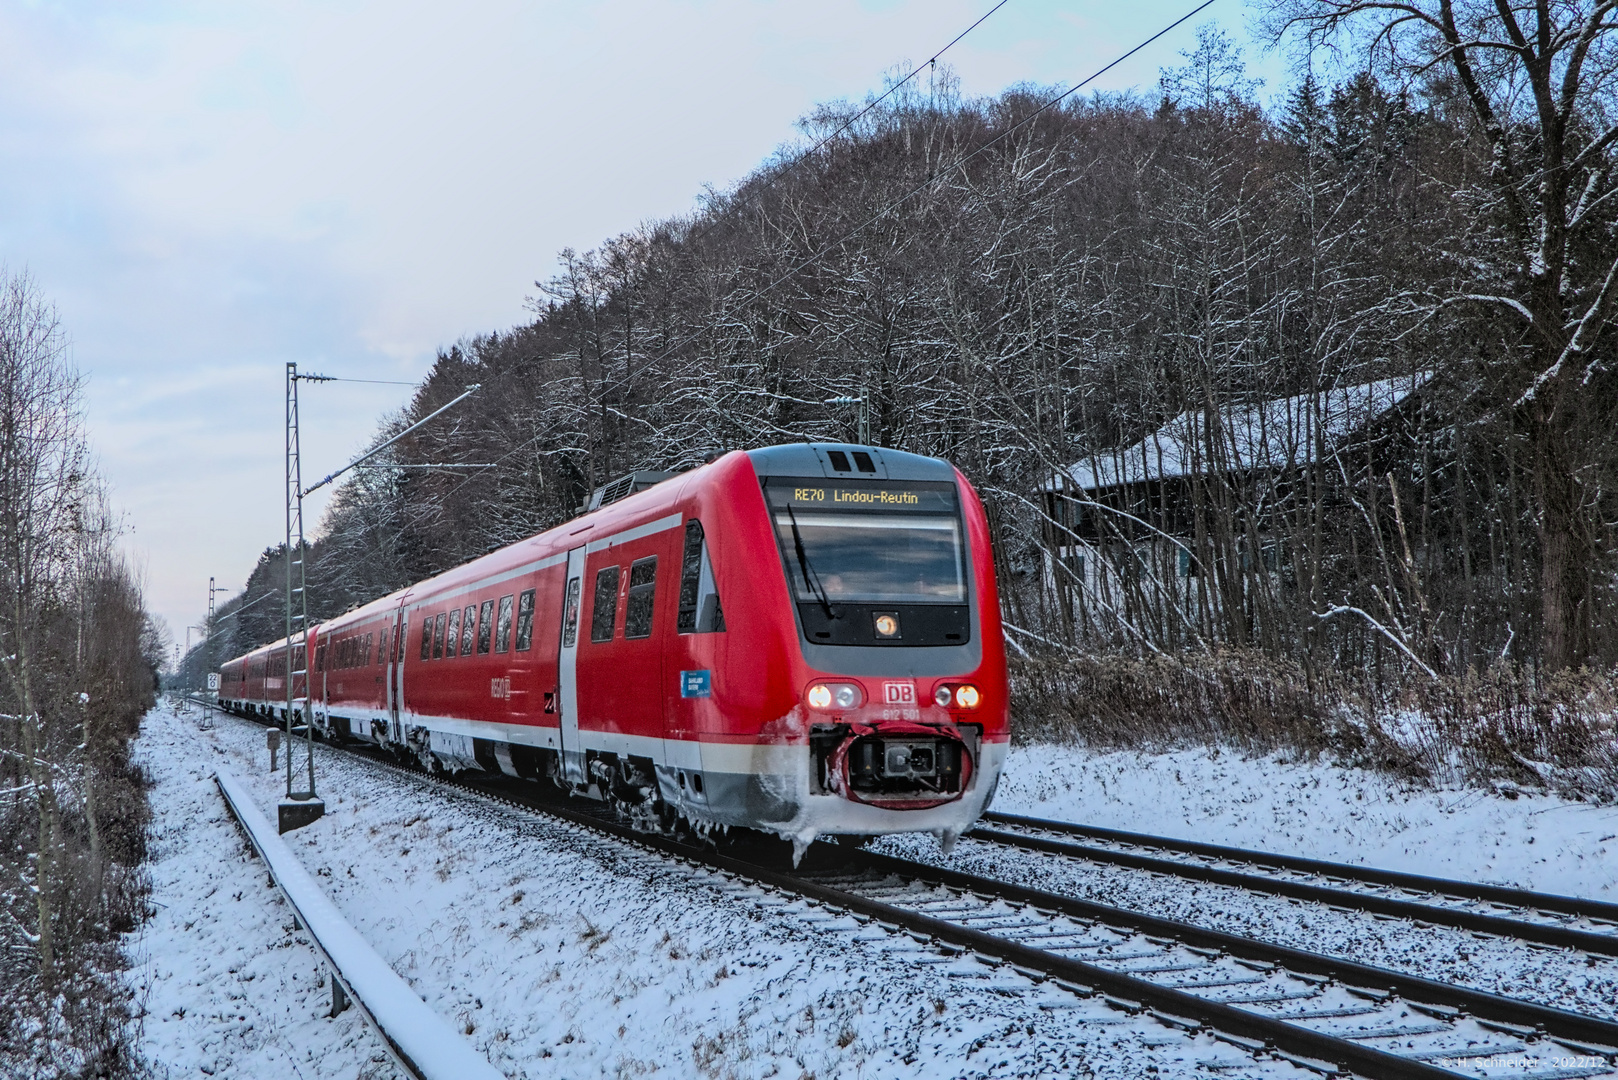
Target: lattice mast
[(297, 607)]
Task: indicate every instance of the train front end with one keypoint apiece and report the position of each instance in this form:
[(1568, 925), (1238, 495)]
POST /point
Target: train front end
[(897, 675)]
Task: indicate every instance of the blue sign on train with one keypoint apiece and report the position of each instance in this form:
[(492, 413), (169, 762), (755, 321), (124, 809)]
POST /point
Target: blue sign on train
[(695, 684)]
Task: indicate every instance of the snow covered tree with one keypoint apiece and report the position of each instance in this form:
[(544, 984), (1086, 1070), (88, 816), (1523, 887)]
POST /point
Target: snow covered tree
[(1531, 87)]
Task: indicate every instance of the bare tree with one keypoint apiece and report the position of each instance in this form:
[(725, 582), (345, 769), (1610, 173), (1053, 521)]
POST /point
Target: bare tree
[(42, 482), (1537, 82), (74, 681)]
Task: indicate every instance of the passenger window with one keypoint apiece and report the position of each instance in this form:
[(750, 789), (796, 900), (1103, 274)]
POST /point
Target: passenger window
[(469, 627), (570, 615), (452, 640), (700, 612), (525, 620), (502, 628), (382, 648), (604, 609), (438, 636), (427, 638), (485, 626), (365, 655), (642, 591)]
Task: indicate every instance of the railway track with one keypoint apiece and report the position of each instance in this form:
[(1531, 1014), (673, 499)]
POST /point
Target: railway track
[(1324, 1013), (1543, 918)]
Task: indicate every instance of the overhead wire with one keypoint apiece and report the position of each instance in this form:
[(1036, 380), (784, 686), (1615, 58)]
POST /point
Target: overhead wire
[(962, 161), (932, 178), (857, 117), (793, 164)]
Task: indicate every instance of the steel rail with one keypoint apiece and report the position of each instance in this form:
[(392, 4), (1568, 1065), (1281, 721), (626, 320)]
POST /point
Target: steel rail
[(1513, 1011), (1461, 918), (1470, 890), (1310, 1048), (1307, 1047), (1321, 1051)]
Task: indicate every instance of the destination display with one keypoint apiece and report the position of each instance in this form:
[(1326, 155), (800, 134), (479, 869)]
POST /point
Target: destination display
[(886, 497), (870, 543)]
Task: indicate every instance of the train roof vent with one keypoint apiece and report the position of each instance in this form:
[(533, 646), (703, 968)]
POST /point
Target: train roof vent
[(625, 486), (853, 461)]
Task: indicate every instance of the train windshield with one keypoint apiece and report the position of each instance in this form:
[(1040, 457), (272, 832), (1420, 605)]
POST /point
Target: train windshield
[(870, 543)]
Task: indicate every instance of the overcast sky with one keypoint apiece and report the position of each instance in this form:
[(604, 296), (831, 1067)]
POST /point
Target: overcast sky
[(210, 190)]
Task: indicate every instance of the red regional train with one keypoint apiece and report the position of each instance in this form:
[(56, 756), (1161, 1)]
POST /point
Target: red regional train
[(803, 639)]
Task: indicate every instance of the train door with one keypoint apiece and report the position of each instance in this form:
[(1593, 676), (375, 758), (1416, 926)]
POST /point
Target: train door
[(395, 674), (325, 698), (567, 671)]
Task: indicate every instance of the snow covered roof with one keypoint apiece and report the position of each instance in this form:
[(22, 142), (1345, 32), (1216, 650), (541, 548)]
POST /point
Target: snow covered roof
[(1270, 434)]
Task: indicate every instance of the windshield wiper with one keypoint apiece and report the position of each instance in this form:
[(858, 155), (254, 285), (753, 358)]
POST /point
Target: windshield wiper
[(810, 578)]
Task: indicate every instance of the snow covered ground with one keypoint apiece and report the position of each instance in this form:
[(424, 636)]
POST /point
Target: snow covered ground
[(561, 953), (227, 986), (1324, 812)]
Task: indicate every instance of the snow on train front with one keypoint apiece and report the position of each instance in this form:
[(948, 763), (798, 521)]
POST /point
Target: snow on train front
[(872, 644)]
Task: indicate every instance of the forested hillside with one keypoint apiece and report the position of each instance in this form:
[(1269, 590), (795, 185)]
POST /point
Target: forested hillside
[(1024, 289)]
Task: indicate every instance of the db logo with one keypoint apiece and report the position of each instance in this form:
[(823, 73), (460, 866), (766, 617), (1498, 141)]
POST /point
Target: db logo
[(500, 688), (899, 693)]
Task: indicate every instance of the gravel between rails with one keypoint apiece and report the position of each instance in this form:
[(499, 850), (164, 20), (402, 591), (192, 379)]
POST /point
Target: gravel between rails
[(1556, 977)]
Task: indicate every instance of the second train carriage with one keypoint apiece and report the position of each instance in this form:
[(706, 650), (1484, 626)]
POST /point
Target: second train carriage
[(803, 639)]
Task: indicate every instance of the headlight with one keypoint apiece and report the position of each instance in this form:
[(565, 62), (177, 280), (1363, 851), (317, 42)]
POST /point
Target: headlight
[(840, 695), (886, 624), (942, 696), (967, 696)]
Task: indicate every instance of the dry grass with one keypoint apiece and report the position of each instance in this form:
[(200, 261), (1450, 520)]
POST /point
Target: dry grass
[(1504, 728), (1157, 701)]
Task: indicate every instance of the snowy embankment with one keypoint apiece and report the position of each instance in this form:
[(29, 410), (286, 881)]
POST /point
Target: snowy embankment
[(1323, 812), (561, 953), (227, 985)]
